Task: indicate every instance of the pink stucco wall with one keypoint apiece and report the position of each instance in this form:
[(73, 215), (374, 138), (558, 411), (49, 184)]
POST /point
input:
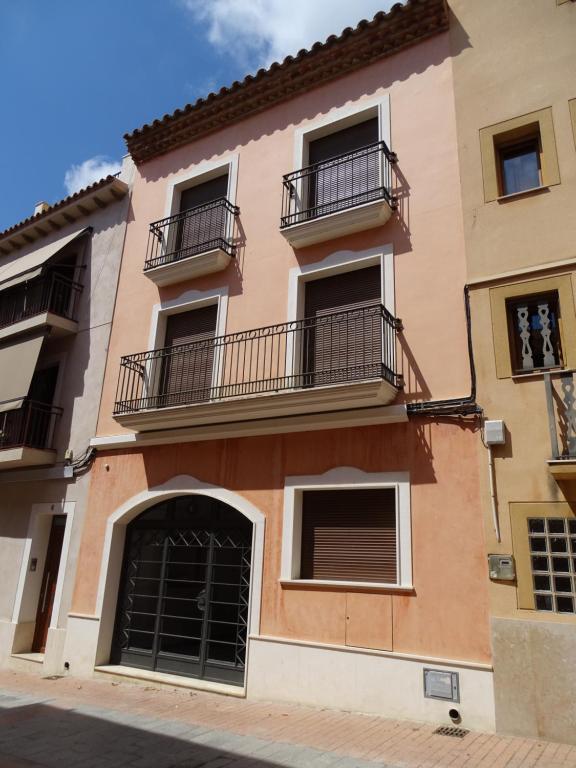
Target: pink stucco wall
[(426, 234), (447, 614)]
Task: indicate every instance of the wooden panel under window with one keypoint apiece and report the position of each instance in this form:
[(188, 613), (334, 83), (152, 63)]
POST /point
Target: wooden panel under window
[(348, 346), (187, 373), (349, 535)]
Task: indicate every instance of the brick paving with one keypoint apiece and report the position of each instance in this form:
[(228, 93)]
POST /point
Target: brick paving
[(70, 723)]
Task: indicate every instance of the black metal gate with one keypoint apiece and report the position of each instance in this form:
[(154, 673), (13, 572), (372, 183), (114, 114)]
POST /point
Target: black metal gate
[(184, 592)]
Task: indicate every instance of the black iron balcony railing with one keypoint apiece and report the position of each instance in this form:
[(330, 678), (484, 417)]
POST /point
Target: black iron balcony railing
[(31, 426), (191, 233), (52, 293), (342, 182), (561, 405), (351, 346)]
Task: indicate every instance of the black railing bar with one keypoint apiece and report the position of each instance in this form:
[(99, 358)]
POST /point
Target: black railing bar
[(375, 147), (221, 201), (217, 242), (293, 326)]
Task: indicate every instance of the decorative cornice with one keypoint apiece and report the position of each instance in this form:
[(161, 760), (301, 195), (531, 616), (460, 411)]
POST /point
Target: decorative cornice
[(387, 34), (59, 215)]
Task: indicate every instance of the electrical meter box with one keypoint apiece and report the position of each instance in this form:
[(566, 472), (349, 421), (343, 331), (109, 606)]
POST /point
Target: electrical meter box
[(502, 567), (494, 432)]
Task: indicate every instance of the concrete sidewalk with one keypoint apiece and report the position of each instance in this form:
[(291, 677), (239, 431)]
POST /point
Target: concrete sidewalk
[(65, 723)]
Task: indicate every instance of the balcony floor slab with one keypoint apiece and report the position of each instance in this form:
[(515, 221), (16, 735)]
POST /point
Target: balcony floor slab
[(60, 326), (357, 219), (15, 458), (191, 267), (303, 403)]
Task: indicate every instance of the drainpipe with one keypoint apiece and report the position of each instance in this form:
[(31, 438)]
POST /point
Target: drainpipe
[(493, 501)]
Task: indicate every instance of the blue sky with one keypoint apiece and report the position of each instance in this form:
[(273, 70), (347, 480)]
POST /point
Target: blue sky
[(76, 75)]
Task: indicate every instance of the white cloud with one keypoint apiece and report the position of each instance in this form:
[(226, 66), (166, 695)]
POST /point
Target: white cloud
[(258, 32), (95, 168)]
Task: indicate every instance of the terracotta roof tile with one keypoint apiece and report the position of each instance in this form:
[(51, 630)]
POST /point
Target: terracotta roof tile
[(386, 34)]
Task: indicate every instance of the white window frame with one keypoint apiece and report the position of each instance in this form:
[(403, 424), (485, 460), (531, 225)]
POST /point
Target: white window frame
[(186, 302), (335, 264), (337, 120), (342, 478), (198, 174)]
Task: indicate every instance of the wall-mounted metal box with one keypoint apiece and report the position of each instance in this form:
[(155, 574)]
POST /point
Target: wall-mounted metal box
[(502, 567), (494, 432), (441, 684)]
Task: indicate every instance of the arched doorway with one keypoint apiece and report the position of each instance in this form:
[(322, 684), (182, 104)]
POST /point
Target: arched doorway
[(184, 590)]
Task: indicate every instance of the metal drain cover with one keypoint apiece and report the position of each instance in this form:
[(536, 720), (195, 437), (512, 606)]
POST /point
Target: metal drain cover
[(449, 730)]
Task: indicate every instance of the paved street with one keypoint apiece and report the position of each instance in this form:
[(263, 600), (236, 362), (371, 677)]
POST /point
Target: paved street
[(65, 723)]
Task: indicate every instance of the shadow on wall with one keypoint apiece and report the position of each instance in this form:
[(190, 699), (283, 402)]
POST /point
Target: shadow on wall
[(44, 736), (400, 67)]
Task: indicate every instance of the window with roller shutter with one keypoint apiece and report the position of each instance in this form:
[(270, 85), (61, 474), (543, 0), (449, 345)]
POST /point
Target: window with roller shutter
[(343, 338), (206, 224), (349, 535), (188, 367), (351, 179)]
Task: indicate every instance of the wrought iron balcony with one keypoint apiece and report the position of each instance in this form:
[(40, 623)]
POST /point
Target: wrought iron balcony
[(348, 347), (561, 405), (337, 185), (53, 293), (207, 228), (30, 426)]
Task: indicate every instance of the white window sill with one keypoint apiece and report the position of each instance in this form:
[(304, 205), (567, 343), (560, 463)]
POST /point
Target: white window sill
[(540, 372), (364, 585), (514, 195)]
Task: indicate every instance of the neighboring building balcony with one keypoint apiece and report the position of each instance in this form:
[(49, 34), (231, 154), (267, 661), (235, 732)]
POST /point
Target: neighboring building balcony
[(192, 243), (50, 300), (348, 193), (561, 404), (335, 362), (26, 435)]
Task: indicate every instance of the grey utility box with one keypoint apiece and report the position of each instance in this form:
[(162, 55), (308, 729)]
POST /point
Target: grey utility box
[(502, 567)]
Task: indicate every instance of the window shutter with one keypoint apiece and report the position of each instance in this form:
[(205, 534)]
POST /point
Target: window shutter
[(207, 224), (339, 348), (335, 183), (349, 535), (187, 374)]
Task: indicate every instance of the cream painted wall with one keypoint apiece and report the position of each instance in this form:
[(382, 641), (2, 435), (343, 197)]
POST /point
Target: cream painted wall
[(511, 59)]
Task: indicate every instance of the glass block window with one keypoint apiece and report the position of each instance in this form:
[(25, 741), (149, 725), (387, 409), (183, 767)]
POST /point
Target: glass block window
[(553, 563), (533, 327)]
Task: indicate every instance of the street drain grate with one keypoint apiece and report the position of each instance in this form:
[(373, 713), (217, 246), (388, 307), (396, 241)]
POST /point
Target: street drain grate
[(448, 730)]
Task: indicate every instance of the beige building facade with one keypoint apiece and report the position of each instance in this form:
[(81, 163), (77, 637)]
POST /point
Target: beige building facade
[(58, 275), (515, 88)]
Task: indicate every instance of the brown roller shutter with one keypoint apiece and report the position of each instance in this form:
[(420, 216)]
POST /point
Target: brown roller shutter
[(349, 535), (207, 224), (342, 345), (337, 185), (187, 372)]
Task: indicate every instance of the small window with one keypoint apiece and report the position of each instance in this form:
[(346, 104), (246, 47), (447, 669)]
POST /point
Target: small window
[(520, 168), (533, 328), (519, 155), (552, 543), (349, 535)]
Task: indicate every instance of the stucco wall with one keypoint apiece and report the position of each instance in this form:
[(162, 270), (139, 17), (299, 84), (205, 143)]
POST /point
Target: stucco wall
[(426, 234), (508, 61), (439, 619)]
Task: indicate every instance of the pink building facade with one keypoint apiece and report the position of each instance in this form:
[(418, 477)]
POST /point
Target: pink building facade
[(285, 499)]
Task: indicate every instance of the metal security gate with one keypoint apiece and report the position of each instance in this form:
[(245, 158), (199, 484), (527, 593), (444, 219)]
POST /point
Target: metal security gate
[(184, 592)]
